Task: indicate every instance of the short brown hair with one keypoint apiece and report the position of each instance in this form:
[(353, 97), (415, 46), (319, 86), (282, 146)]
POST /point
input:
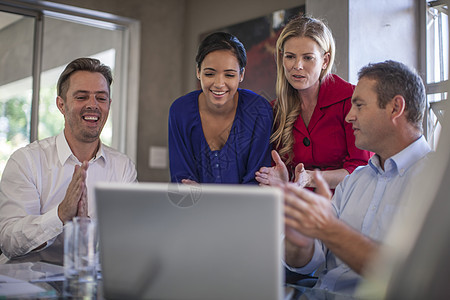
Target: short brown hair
[(395, 78), (82, 64)]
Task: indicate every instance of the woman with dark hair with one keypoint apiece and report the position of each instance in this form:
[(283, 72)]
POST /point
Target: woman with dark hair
[(219, 134)]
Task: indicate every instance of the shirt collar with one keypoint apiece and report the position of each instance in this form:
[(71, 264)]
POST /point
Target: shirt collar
[(333, 89), (100, 154), (400, 162), (63, 149), (64, 152)]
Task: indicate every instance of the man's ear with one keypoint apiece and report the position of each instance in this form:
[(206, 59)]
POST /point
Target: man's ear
[(397, 107), (61, 105)]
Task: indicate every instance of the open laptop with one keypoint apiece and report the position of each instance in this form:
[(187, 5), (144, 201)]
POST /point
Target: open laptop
[(173, 241)]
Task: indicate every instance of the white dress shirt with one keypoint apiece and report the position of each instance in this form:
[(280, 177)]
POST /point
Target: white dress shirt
[(34, 183)]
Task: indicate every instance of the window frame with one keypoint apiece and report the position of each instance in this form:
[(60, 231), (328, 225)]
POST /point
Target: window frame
[(126, 112), (440, 87)]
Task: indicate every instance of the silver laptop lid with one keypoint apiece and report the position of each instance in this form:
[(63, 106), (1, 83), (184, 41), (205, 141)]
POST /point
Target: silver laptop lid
[(169, 241)]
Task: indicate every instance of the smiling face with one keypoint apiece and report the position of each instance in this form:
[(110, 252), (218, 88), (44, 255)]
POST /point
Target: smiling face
[(371, 124), (303, 62), (220, 75), (86, 106)]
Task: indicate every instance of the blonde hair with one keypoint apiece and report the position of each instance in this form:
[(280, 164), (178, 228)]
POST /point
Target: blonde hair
[(287, 106)]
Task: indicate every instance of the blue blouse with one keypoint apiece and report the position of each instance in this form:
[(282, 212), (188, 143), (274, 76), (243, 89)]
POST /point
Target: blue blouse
[(246, 150)]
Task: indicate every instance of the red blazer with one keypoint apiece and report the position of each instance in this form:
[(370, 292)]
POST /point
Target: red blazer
[(328, 143)]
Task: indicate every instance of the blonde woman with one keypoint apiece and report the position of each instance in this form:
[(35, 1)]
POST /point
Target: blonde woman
[(309, 129)]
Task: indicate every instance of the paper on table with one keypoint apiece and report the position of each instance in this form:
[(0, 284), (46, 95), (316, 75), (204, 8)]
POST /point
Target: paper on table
[(14, 287), (37, 271)]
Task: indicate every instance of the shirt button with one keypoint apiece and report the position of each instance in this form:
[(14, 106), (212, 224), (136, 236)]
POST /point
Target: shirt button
[(215, 154), (217, 165), (306, 142)]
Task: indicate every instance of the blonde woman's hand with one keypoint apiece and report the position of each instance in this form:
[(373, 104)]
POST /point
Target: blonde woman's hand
[(303, 178), (273, 175)]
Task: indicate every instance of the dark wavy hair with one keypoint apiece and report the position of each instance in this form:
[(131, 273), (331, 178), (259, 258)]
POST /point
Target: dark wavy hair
[(221, 41)]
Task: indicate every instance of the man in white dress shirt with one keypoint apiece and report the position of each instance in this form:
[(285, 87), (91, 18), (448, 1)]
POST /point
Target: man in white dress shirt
[(339, 238), (48, 182)]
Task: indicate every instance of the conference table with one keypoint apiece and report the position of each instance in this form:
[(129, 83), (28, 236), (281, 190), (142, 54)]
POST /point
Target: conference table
[(36, 280), (43, 280)]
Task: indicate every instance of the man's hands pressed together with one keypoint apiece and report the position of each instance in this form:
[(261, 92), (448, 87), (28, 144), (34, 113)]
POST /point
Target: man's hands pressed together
[(75, 201)]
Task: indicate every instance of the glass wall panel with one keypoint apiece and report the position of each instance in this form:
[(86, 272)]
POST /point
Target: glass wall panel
[(16, 61), (38, 41), (65, 40)]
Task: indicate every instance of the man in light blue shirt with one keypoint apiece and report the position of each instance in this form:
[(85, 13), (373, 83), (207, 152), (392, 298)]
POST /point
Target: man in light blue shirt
[(338, 238)]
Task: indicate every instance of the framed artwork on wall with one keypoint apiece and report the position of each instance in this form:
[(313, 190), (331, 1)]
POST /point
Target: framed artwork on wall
[(259, 37)]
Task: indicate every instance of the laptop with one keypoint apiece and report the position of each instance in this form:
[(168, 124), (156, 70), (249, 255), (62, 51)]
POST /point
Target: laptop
[(175, 241)]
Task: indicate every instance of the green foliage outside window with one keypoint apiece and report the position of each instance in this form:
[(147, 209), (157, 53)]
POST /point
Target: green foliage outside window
[(51, 121), (15, 115), (14, 126)]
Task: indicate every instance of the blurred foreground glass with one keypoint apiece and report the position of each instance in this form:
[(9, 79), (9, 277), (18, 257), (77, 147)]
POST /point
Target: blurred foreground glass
[(80, 258)]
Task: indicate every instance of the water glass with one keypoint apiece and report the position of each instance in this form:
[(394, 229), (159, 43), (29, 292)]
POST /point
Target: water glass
[(80, 258)]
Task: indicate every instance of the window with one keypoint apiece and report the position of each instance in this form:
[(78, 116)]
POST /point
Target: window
[(42, 39), (437, 52)]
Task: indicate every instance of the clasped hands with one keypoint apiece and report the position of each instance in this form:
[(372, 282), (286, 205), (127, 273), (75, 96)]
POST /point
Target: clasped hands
[(75, 201)]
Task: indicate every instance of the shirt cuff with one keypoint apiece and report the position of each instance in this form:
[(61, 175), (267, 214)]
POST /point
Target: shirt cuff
[(51, 227), (314, 263), (51, 223)]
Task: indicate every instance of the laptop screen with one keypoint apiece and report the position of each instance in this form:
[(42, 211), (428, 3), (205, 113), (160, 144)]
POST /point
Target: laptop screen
[(171, 241)]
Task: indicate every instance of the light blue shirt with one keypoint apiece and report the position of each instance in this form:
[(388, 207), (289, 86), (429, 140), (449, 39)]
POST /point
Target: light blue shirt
[(367, 200)]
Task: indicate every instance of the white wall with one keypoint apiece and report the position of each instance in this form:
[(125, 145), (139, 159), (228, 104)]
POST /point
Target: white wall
[(335, 14), (381, 30), (370, 31)]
